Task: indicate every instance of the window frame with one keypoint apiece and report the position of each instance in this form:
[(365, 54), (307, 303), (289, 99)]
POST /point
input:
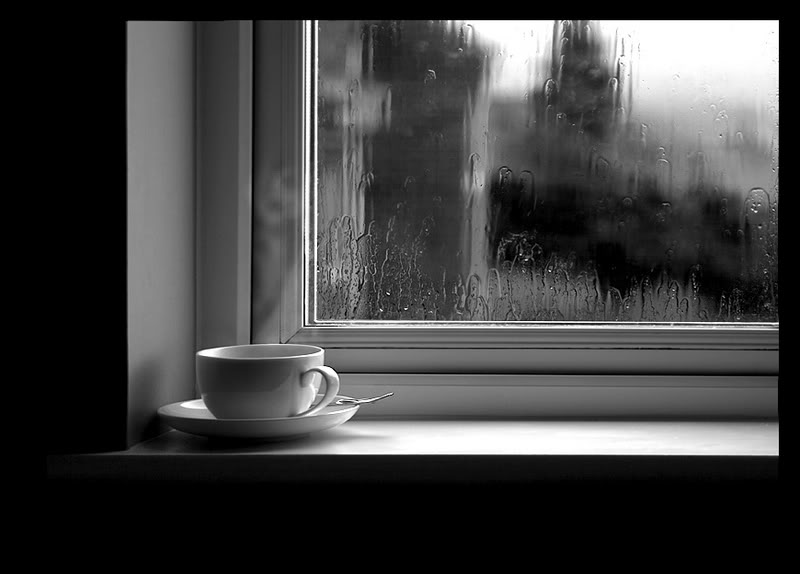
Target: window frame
[(685, 370)]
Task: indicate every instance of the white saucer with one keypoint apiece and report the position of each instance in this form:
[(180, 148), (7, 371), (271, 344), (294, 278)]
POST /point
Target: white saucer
[(193, 417)]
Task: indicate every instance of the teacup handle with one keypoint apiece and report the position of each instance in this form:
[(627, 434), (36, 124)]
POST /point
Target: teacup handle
[(331, 388)]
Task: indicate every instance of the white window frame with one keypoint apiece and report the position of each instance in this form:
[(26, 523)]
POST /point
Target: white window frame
[(581, 370)]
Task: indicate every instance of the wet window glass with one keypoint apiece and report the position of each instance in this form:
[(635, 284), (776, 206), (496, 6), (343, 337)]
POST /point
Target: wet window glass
[(567, 171)]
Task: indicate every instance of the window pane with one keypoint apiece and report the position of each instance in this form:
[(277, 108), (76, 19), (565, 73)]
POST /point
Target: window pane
[(546, 171)]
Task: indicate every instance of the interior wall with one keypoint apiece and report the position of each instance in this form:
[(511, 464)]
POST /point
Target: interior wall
[(160, 220)]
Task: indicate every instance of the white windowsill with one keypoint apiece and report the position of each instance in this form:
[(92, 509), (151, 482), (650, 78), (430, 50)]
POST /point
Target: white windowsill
[(367, 450)]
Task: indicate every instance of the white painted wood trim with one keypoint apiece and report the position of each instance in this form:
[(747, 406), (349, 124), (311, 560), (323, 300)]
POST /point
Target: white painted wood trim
[(244, 188), (280, 175), (224, 182), (564, 396), (545, 336), (294, 168), (554, 361)]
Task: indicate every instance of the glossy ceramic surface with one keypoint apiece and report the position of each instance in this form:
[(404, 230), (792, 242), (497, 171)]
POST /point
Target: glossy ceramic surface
[(264, 380)]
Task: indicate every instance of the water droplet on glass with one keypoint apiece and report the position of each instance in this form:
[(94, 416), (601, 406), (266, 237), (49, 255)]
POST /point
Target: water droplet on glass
[(504, 176), (757, 207), (550, 89), (602, 168)]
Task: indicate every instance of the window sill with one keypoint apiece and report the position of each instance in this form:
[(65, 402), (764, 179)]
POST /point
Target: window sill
[(368, 451)]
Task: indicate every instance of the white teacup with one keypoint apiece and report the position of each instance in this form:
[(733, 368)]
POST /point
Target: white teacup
[(264, 381)]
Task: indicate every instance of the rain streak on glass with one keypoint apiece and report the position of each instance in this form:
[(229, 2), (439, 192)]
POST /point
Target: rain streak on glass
[(546, 171)]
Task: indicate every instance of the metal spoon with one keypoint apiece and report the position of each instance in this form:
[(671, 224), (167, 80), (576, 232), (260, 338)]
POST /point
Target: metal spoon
[(348, 401)]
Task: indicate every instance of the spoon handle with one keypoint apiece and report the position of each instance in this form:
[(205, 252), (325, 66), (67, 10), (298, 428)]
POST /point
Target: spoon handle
[(348, 401)]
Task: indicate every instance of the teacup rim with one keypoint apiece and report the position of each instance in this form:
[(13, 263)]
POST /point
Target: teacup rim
[(211, 352)]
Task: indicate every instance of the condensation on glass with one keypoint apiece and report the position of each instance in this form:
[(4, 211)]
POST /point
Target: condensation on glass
[(546, 171)]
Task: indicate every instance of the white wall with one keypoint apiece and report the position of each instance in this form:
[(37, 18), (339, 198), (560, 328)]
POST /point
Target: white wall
[(161, 219)]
